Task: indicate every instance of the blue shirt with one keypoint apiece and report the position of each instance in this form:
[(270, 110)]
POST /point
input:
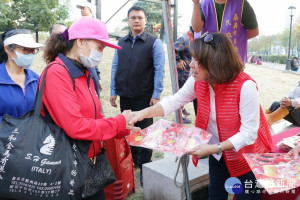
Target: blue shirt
[(13, 101), (159, 68)]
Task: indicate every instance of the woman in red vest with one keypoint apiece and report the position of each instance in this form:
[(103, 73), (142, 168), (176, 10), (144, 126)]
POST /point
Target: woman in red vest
[(228, 107)]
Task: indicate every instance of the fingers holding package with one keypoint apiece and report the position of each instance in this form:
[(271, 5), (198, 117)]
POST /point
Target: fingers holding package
[(203, 150)]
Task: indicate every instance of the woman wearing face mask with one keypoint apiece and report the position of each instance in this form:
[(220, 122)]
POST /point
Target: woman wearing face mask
[(77, 110), (18, 84)]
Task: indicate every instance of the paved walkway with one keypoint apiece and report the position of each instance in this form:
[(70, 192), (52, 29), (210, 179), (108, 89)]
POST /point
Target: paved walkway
[(283, 125), (280, 67)]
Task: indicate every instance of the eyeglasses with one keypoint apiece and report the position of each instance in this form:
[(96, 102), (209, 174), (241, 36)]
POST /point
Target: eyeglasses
[(136, 17), (208, 38), (28, 50)]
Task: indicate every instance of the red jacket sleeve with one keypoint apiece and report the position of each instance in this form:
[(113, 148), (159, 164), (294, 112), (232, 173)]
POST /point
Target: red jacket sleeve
[(67, 111)]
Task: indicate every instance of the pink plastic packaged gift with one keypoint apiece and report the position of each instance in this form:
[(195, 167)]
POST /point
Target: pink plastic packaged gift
[(169, 137)]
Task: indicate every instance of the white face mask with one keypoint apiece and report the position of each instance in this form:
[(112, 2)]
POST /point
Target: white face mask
[(23, 60), (93, 60)]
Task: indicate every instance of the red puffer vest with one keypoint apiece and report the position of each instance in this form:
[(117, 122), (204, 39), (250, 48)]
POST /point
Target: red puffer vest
[(227, 98)]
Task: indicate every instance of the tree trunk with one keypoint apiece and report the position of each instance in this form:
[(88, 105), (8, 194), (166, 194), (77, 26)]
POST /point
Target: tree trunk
[(151, 29), (37, 36), (162, 29), (98, 9)]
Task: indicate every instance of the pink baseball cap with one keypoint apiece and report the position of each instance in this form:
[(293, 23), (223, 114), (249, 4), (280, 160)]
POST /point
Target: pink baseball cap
[(90, 28)]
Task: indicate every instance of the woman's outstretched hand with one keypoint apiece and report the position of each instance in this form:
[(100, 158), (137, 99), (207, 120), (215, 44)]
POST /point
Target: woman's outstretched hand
[(128, 116), (203, 150), (137, 116)]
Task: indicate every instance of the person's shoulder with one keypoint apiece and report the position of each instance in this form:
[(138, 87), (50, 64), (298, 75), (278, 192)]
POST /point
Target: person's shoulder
[(2, 68), (32, 74), (124, 37), (244, 76), (56, 67), (247, 7), (246, 3), (150, 35)]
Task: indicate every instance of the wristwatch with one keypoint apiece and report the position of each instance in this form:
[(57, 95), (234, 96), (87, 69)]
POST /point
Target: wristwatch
[(219, 149)]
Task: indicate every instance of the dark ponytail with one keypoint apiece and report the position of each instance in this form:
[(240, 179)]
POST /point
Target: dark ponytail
[(56, 44)]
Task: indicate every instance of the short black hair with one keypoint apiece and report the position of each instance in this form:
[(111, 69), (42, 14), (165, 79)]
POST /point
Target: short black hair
[(52, 27), (136, 8)]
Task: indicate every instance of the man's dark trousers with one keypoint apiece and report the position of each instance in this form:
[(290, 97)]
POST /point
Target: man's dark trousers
[(140, 155)]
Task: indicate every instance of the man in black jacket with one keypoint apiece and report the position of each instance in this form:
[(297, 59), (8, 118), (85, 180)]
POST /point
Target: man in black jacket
[(137, 74)]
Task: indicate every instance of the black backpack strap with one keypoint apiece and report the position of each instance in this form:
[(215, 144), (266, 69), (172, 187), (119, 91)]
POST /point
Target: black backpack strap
[(47, 114), (73, 80)]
